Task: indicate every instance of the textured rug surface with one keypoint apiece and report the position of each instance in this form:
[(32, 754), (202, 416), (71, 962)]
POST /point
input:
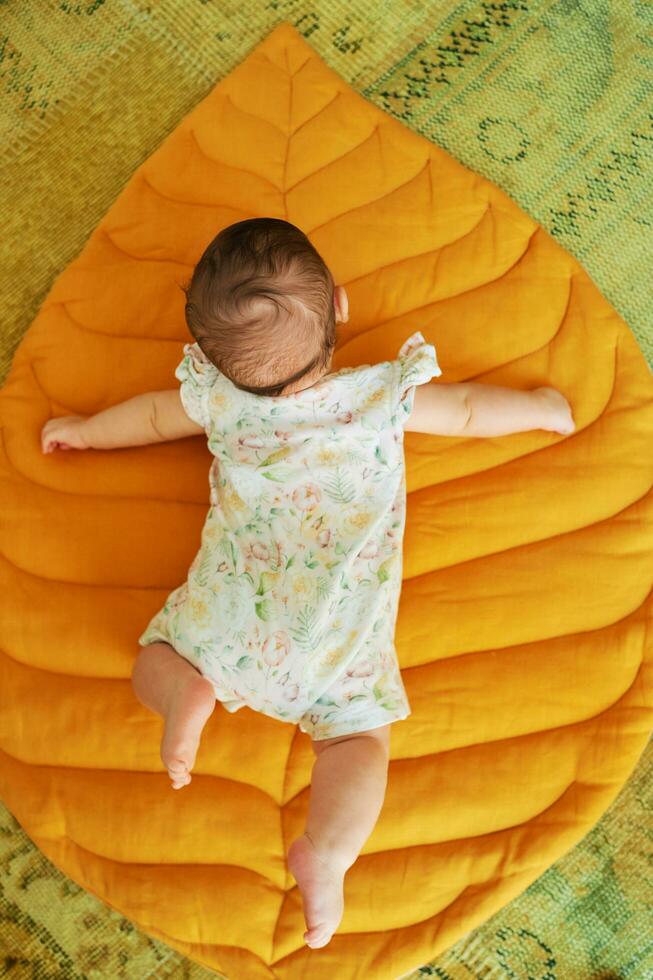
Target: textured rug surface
[(90, 90)]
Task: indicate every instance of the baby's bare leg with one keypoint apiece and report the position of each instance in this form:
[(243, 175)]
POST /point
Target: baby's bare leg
[(169, 685), (347, 791)]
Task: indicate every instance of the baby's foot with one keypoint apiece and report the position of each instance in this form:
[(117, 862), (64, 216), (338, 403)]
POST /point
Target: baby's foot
[(190, 706), (321, 887)]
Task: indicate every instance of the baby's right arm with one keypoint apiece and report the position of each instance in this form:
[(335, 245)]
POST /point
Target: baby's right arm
[(471, 409), (153, 416)]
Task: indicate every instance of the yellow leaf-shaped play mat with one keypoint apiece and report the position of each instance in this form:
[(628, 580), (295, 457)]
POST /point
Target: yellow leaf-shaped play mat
[(524, 629)]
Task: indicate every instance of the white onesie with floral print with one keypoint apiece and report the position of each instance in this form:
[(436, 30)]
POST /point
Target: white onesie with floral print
[(291, 601)]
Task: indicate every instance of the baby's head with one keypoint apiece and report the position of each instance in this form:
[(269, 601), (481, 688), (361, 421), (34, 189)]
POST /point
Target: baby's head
[(260, 304)]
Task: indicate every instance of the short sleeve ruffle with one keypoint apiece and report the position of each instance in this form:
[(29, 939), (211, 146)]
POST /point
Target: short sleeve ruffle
[(417, 363), (197, 375)]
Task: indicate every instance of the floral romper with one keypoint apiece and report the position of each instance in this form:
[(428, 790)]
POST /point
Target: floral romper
[(291, 601)]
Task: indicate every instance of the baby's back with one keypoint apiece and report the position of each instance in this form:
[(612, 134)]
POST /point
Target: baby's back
[(300, 560)]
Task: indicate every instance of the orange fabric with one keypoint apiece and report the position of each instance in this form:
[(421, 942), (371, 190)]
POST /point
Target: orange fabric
[(524, 624)]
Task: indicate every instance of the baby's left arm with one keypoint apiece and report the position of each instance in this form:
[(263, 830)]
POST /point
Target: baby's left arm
[(154, 416), (475, 409)]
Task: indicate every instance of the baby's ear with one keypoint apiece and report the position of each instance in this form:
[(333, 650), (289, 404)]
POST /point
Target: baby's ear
[(341, 303)]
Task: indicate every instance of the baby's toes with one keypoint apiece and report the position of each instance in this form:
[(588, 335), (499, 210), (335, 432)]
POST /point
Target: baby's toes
[(179, 774), (317, 937), (178, 782)]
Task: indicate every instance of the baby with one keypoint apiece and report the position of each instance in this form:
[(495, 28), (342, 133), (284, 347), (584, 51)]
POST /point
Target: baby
[(290, 604)]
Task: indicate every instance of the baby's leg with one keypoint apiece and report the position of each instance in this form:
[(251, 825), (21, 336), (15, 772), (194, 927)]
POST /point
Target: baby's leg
[(347, 791), (166, 683)]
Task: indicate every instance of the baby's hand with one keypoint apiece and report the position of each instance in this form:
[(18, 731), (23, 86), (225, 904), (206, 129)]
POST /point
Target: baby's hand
[(63, 433), (557, 411)]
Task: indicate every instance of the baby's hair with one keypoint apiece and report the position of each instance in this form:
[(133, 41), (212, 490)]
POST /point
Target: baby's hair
[(248, 274)]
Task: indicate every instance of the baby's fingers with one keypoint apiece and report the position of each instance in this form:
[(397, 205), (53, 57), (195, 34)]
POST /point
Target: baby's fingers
[(48, 439), (49, 442), (51, 446), (57, 431)]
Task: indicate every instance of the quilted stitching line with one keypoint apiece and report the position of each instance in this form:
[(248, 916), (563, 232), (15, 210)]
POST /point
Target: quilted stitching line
[(632, 614), (137, 772), (228, 166), (84, 585), (145, 338), (291, 74), (366, 204), (331, 163), (293, 133), (185, 202), (101, 229), (284, 193), (245, 112)]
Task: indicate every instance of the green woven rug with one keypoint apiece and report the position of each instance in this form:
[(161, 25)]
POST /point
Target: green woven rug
[(549, 100)]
